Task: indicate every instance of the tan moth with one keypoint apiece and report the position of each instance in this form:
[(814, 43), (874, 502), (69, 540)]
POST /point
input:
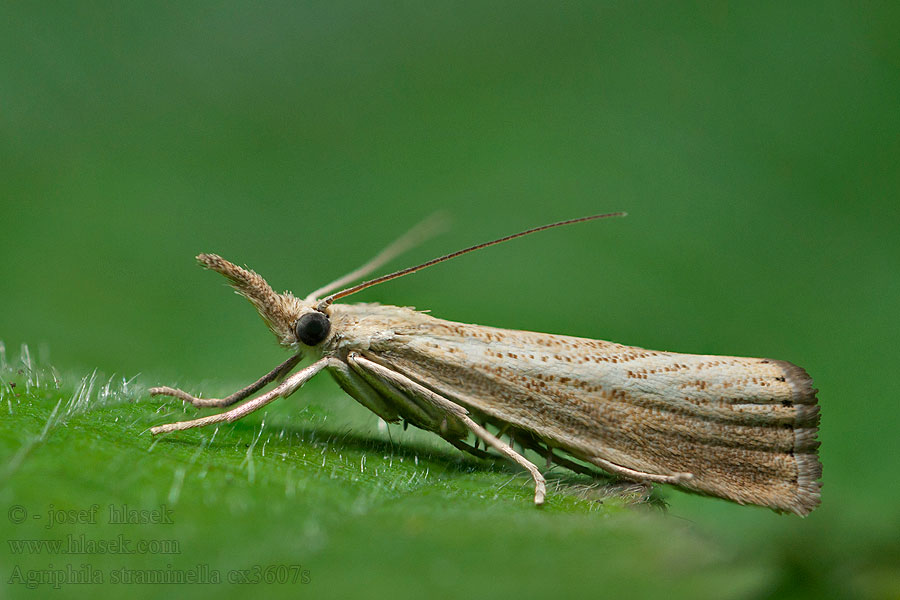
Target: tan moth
[(743, 429)]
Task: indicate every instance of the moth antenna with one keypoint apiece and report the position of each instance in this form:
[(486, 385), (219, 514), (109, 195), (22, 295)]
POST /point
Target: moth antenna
[(409, 270), (431, 226)]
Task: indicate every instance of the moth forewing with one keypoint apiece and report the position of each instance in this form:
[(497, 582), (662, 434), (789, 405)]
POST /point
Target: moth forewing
[(738, 428)]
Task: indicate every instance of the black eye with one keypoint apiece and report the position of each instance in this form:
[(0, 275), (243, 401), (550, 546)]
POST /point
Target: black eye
[(312, 328)]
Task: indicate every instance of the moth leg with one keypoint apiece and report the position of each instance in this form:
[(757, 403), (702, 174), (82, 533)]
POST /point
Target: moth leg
[(540, 486), (421, 414), (473, 450), (384, 392), (528, 440), (676, 479), (239, 395), (452, 409), (570, 465), (285, 389), (361, 391)]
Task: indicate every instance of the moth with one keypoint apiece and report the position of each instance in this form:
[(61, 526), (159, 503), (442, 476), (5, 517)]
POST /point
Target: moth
[(743, 429)]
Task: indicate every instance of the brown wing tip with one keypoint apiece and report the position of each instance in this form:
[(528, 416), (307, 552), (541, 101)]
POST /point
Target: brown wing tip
[(801, 382), (806, 429), (808, 496)]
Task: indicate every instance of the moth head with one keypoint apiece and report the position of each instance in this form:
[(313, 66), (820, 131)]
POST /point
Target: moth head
[(282, 313)]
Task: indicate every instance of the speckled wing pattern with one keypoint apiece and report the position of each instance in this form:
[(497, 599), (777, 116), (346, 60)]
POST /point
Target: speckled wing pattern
[(744, 428)]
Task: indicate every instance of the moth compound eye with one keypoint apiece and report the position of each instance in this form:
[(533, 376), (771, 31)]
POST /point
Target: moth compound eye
[(312, 328)]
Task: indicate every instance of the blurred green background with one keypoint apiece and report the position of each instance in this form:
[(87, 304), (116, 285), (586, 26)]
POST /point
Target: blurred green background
[(755, 147)]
